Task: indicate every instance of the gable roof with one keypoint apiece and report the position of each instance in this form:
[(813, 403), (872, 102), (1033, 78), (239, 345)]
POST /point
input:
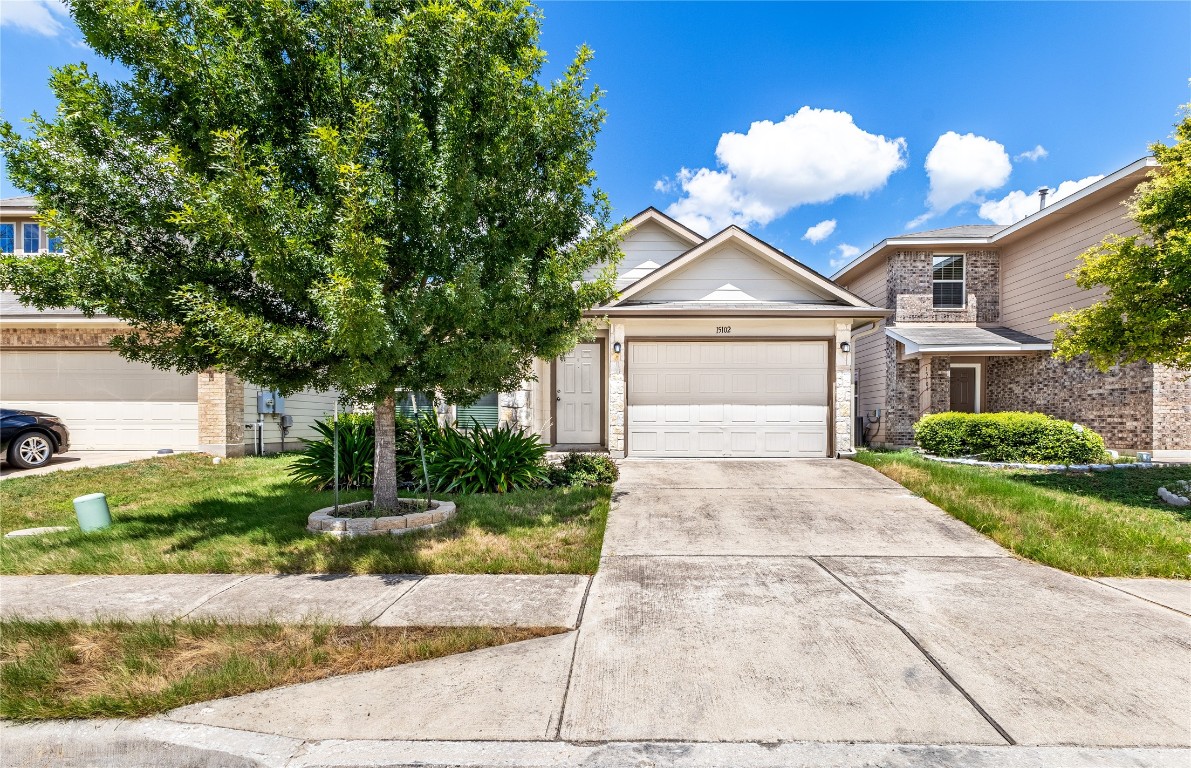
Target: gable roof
[(995, 234), (674, 227), (753, 245)]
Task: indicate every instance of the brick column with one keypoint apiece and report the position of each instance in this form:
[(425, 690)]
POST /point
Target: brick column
[(220, 414), (843, 389)]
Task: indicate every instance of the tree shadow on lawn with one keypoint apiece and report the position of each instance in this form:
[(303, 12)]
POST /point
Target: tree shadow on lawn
[(1132, 487), (265, 531)]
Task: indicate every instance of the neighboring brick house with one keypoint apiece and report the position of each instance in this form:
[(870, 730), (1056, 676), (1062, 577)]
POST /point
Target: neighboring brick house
[(971, 329), (58, 361)]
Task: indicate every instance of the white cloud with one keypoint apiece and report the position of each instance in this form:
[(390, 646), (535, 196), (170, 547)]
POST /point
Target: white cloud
[(960, 167), (812, 156), (663, 185), (820, 232), (39, 17), (1017, 205), (1037, 153), (844, 254)]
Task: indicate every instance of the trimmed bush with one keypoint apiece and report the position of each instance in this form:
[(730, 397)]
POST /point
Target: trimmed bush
[(1033, 438), (586, 469)]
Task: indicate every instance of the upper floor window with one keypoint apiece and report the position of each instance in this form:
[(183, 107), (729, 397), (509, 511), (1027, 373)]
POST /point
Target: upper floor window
[(53, 243), (32, 238), (8, 238), (948, 282)]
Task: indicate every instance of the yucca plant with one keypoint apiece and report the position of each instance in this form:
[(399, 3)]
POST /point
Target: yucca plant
[(485, 460), (357, 445)]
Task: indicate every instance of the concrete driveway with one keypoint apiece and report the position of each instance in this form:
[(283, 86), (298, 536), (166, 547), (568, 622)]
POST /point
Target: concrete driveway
[(792, 602), (819, 600), (77, 460)]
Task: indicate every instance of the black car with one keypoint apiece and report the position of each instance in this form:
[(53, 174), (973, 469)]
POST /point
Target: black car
[(29, 439)]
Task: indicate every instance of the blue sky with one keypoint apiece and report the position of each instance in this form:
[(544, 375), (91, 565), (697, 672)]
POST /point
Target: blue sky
[(879, 117)]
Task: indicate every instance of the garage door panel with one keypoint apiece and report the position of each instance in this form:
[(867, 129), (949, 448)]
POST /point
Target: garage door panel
[(728, 399), (108, 403)]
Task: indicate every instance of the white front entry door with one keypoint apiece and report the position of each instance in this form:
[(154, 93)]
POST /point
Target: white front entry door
[(737, 398), (579, 389)]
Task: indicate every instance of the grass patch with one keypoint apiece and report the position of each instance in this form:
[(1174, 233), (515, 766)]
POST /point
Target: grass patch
[(63, 669), (183, 514), (1090, 523)]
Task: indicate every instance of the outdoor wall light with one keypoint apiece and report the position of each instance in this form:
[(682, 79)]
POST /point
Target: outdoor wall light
[(845, 347), (616, 347)]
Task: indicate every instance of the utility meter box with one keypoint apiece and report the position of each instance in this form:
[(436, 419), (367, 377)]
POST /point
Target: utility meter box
[(287, 421), (269, 401)]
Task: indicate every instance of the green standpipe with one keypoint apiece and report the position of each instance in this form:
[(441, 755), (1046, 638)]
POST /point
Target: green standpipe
[(92, 512)]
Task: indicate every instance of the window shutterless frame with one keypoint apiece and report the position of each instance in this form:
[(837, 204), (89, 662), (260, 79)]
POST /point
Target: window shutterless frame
[(31, 238), (8, 238), (948, 281)]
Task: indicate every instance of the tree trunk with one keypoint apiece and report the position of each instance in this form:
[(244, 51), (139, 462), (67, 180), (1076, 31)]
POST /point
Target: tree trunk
[(384, 463)]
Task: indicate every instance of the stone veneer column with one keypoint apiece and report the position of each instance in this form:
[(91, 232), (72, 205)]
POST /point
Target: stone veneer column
[(843, 389), (616, 393), (515, 406), (220, 413)]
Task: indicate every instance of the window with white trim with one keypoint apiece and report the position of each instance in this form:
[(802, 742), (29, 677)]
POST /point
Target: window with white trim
[(8, 238), (31, 239), (947, 282)]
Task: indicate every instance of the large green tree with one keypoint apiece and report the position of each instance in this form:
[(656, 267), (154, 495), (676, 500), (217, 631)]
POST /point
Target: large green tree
[(1146, 310), (378, 197)]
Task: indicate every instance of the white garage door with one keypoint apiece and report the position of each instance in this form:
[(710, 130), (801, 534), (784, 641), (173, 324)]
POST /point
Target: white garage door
[(742, 398), (107, 402)]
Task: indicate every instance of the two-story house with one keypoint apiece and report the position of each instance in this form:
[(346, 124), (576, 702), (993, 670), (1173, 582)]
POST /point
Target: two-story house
[(58, 361), (971, 328)]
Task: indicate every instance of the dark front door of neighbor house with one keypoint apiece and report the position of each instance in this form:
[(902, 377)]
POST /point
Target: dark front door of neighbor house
[(963, 390)]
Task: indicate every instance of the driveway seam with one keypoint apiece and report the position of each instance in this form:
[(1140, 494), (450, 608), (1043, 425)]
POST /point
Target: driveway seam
[(1139, 597), (562, 708), (929, 657)]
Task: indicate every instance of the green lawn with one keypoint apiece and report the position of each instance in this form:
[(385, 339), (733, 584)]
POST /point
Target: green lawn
[(1089, 523), (184, 514), (64, 669)]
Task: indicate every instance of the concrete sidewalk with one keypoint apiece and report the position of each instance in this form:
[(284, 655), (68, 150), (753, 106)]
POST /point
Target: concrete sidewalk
[(384, 600)]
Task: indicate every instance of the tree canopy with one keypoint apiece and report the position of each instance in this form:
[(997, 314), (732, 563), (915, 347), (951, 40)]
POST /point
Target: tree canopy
[(1146, 311), (375, 197)]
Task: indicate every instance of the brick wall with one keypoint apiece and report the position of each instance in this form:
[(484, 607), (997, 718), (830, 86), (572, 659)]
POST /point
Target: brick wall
[(1118, 404), (220, 414), (57, 338), (910, 276), (1172, 409), (901, 404)]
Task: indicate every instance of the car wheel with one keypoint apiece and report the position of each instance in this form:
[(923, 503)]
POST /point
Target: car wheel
[(30, 451)]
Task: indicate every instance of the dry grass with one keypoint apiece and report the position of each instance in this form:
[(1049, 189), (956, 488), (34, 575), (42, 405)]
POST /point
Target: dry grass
[(51, 669), (1090, 523), (182, 514)]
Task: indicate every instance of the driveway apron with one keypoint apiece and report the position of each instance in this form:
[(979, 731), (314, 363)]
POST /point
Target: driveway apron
[(818, 600)]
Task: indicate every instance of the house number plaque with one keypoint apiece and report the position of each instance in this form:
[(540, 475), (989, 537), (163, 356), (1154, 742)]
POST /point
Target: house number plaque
[(723, 329)]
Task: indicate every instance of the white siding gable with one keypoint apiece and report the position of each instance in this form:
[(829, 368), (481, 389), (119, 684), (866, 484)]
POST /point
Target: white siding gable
[(646, 248), (731, 274)]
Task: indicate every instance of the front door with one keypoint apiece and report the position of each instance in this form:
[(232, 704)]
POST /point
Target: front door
[(579, 385), (963, 389)]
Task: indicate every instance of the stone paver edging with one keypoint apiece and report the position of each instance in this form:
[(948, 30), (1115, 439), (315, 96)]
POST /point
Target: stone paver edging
[(326, 521), (1174, 497)]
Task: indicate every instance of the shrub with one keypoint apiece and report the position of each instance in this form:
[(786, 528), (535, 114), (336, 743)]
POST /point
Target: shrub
[(357, 446), (1009, 436), (485, 460), (586, 469), (315, 466)]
